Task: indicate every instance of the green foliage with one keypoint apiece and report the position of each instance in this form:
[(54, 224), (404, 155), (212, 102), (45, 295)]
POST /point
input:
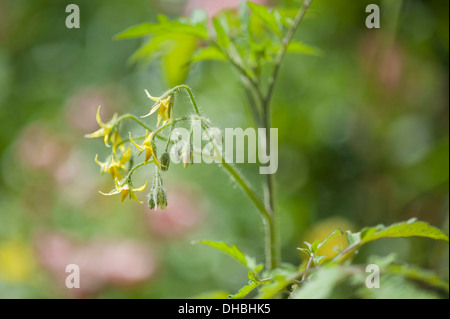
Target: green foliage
[(244, 291), (248, 40), (321, 285), (410, 228), (234, 252), (320, 282)]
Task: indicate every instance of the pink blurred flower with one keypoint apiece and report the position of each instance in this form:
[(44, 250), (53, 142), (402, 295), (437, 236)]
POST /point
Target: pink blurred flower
[(81, 108), (181, 216), (37, 148), (101, 262), (385, 63), (213, 7)]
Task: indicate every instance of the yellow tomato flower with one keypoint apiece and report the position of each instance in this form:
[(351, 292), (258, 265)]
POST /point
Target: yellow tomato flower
[(148, 146), (113, 166), (126, 190), (106, 131), (164, 106)]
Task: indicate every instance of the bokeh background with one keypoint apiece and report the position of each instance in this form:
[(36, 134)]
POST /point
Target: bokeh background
[(363, 139)]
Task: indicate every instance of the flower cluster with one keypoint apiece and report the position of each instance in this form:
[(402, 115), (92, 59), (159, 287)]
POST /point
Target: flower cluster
[(119, 164), (124, 161)]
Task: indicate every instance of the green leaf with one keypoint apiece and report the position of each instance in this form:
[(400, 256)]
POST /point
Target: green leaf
[(315, 246), (177, 57), (234, 252), (274, 287), (319, 259), (281, 277), (219, 294), (148, 50), (266, 16), (164, 26), (396, 287), (418, 274), (411, 228), (336, 232), (321, 284), (299, 47), (244, 291), (353, 238), (305, 251), (222, 37), (137, 31), (208, 53)]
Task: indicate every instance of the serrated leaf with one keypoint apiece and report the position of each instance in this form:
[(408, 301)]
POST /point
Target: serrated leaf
[(222, 37), (244, 291), (299, 47), (208, 53), (234, 252), (266, 16), (411, 228)]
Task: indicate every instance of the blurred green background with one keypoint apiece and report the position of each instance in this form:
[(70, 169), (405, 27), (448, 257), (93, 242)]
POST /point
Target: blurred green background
[(363, 139)]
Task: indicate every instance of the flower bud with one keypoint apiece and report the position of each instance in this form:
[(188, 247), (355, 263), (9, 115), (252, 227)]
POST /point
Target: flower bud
[(151, 201), (157, 197), (165, 161)]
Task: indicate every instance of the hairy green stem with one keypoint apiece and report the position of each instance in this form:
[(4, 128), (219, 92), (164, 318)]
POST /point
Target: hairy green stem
[(266, 118), (134, 118)]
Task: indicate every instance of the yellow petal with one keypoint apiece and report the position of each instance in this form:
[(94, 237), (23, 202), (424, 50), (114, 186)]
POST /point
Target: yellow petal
[(113, 192), (99, 120), (132, 142), (116, 181), (98, 133), (133, 196), (148, 154), (125, 157), (155, 108), (125, 193), (151, 97), (142, 188)]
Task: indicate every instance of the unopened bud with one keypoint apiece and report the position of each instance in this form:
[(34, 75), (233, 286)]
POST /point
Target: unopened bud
[(165, 161)]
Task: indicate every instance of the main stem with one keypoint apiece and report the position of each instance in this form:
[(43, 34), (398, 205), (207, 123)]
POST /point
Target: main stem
[(272, 231)]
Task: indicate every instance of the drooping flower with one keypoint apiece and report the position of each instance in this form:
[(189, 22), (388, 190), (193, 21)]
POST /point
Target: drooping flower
[(126, 190), (164, 106), (113, 166), (148, 146), (106, 131)]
